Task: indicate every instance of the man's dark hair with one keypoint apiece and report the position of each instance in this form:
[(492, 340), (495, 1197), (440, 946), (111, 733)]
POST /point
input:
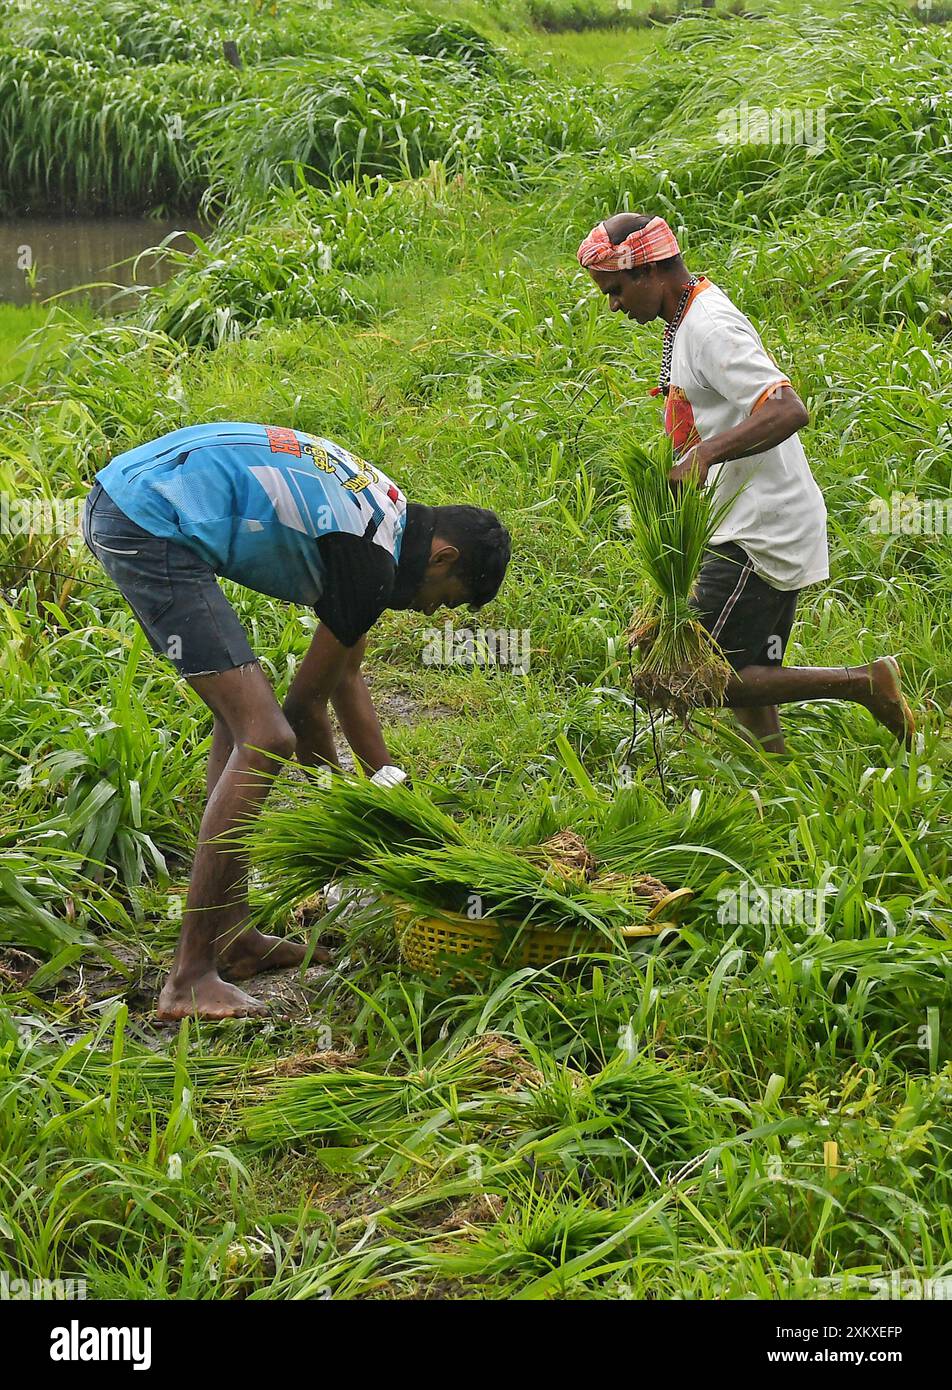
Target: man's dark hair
[(622, 225), (484, 548)]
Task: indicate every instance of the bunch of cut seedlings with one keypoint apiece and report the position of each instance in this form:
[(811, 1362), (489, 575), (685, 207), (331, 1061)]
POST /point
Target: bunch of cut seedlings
[(337, 831), (681, 666), (395, 841)]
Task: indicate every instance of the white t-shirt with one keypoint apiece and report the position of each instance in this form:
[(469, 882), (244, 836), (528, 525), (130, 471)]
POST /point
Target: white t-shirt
[(720, 373)]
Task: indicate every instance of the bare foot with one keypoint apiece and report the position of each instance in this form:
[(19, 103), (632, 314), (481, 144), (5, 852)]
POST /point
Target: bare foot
[(205, 997), (252, 952), (885, 700)]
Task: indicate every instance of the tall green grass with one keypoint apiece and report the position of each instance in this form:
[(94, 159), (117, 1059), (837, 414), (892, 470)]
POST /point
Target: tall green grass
[(126, 145)]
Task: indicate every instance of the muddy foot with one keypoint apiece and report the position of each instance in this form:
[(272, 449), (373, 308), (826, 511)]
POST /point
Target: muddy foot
[(252, 952), (207, 997), (885, 701)]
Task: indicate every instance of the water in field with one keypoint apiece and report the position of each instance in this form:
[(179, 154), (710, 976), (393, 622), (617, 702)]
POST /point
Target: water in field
[(44, 256)]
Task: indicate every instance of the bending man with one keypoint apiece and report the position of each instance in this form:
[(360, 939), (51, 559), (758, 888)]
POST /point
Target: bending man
[(302, 519)]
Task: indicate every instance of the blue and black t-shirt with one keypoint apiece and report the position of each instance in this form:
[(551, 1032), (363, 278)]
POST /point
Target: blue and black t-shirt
[(286, 513)]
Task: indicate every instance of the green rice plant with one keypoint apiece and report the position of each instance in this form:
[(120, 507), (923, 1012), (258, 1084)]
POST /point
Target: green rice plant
[(456, 39), (694, 842), (559, 16), (120, 33), (97, 382), (544, 1238), (338, 828), (296, 256), (116, 1174), (510, 887), (105, 784), (636, 1110), (391, 115), (110, 32), (881, 147), (35, 902), (681, 665), (368, 1107), (252, 282)]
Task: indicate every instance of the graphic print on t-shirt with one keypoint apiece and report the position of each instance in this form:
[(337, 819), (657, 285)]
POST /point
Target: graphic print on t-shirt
[(679, 421), (283, 441), (302, 500)]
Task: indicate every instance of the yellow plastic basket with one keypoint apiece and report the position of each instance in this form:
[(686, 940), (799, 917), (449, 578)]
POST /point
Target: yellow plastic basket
[(425, 942)]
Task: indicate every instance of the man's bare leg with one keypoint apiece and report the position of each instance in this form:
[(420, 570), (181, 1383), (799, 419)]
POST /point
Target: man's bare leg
[(217, 901), (876, 686), (244, 951), (760, 725), (218, 755)]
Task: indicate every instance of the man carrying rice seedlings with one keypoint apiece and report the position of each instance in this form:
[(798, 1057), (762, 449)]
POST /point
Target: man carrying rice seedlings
[(732, 418), (301, 519)]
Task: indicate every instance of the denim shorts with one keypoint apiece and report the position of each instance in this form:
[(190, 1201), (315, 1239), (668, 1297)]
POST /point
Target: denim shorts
[(174, 594), (749, 618)]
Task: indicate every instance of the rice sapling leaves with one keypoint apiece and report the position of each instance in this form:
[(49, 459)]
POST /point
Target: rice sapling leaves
[(335, 830), (681, 665), (396, 844)]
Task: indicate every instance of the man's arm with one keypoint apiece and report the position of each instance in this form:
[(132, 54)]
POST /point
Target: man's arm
[(779, 417), (305, 706), (357, 716)]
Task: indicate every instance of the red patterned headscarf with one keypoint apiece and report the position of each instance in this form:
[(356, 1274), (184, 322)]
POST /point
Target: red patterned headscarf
[(654, 242)]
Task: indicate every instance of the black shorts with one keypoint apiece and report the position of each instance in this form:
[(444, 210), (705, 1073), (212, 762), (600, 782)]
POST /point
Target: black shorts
[(749, 618), (173, 593)]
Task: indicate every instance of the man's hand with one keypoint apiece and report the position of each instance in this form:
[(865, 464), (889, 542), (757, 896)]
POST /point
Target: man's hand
[(778, 415), (330, 673), (357, 716), (695, 463)]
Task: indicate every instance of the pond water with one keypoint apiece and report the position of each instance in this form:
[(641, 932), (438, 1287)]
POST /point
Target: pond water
[(42, 256)]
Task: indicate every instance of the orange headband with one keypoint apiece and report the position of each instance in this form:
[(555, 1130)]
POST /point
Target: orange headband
[(654, 242)]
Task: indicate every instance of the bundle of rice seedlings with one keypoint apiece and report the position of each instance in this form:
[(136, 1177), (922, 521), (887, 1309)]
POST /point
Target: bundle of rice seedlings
[(566, 853), (398, 845), (645, 886), (510, 886), (681, 665), (691, 843), (367, 1106), (336, 830), (634, 1108)]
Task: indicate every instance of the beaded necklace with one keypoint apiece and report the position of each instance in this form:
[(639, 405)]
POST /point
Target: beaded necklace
[(664, 377)]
